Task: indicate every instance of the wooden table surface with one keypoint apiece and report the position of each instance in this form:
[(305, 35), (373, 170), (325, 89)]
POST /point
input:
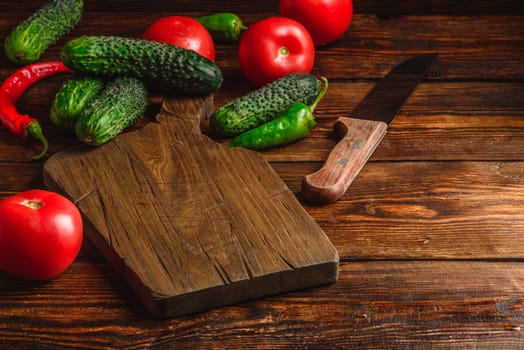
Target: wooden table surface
[(430, 234)]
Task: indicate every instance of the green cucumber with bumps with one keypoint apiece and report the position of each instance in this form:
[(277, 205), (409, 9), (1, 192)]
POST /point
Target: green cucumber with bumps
[(121, 103), (26, 42), (173, 68), (261, 105), (72, 98)]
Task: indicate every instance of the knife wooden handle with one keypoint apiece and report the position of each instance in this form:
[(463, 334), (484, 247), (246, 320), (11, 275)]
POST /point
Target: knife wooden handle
[(359, 140)]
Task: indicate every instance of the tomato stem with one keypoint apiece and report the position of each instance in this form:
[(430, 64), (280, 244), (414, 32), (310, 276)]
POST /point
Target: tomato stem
[(283, 51), (33, 204)]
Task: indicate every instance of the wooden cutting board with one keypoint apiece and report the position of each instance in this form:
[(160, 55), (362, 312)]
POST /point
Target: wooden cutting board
[(192, 224)]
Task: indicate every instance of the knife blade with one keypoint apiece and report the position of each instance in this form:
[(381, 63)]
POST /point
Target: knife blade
[(362, 131)]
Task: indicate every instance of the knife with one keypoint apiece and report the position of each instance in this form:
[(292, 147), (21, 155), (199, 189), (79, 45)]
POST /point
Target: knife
[(363, 130)]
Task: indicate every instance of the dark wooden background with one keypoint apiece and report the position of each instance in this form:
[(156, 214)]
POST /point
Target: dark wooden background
[(430, 235)]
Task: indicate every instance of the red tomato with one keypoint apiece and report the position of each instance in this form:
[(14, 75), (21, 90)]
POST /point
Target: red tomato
[(183, 32), (40, 234), (326, 20), (274, 47)]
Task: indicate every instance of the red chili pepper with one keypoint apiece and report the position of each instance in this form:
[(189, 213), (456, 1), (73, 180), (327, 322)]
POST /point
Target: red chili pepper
[(13, 87)]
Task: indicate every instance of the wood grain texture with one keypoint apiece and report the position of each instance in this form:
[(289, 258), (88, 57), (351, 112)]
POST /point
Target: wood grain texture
[(191, 224), (375, 304), (429, 234)]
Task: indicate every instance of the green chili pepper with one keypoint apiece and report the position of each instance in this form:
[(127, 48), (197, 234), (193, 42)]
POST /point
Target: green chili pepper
[(291, 125), (223, 27)]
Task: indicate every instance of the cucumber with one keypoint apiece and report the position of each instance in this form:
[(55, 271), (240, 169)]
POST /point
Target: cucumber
[(72, 98), (26, 43), (122, 102), (261, 105), (173, 68)]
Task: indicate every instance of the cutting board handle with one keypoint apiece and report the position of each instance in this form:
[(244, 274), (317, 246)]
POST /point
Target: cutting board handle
[(191, 112)]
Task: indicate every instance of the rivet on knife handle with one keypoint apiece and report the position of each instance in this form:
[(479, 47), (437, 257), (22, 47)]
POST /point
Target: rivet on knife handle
[(359, 140)]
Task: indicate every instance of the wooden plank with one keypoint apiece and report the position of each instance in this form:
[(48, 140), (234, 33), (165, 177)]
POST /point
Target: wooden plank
[(375, 304), (440, 121), (369, 49), (462, 139), (377, 7), (425, 210)]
